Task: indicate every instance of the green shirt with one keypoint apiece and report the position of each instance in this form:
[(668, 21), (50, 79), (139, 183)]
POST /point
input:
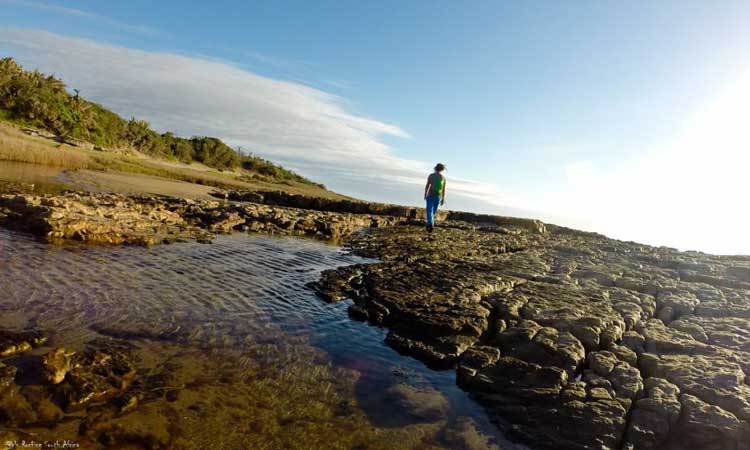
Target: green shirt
[(437, 184)]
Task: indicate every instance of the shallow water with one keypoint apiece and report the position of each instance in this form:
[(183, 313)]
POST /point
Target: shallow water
[(257, 359), (16, 176)]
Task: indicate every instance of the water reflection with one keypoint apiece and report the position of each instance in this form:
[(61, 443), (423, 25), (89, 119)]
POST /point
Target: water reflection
[(25, 177)]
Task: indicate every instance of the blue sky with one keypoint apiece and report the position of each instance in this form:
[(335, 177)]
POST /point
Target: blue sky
[(538, 108)]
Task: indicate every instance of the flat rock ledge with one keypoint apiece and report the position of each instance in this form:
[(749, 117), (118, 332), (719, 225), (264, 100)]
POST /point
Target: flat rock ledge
[(281, 198), (146, 220), (570, 340)]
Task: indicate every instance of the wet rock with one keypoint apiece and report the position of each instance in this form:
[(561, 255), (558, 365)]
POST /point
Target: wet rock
[(98, 373), (436, 325), (120, 219), (99, 218), (63, 381), (57, 364), (14, 343), (437, 352)]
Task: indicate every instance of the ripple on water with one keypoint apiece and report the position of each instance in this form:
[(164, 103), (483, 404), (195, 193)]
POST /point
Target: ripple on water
[(242, 303)]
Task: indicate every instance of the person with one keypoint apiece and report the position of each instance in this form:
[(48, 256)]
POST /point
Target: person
[(434, 194)]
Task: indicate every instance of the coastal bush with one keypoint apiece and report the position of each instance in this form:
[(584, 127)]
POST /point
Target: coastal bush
[(34, 99)]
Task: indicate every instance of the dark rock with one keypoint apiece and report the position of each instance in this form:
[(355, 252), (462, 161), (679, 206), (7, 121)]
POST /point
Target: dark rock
[(14, 343), (98, 373), (570, 340)]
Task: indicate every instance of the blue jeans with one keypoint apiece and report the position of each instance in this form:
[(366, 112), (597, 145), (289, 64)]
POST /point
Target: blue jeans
[(433, 201)]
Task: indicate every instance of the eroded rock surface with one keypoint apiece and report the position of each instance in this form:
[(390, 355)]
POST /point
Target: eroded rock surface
[(570, 340), (120, 219)]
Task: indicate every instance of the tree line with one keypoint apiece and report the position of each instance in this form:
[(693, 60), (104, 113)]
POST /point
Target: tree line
[(35, 99)]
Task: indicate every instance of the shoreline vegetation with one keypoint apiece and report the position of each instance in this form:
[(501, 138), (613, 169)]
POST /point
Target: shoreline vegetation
[(568, 339), (80, 134)]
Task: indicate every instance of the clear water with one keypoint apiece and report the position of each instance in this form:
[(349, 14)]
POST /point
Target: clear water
[(237, 317)]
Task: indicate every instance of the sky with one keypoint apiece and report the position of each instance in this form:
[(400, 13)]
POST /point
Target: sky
[(625, 118)]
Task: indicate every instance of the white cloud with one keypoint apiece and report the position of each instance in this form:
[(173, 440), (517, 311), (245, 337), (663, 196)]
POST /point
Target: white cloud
[(73, 12), (297, 125), (689, 194)]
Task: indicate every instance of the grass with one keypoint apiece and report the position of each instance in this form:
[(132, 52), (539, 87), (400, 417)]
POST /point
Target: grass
[(18, 149), (145, 167), (17, 146)]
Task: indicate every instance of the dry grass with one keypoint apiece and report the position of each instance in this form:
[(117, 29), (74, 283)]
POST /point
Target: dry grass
[(17, 146), (22, 149)]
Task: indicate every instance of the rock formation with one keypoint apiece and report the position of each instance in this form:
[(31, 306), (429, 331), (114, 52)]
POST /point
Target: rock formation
[(147, 220), (62, 382), (570, 340)]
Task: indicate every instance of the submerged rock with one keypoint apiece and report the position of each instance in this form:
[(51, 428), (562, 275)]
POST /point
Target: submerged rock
[(98, 373), (424, 404), (57, 364), (64, 381)]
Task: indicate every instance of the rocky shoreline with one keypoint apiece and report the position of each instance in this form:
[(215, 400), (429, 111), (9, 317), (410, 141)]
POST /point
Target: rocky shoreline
[(570, 340), (148, 220)]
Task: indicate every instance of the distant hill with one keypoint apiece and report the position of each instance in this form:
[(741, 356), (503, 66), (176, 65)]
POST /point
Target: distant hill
[(42, 101)]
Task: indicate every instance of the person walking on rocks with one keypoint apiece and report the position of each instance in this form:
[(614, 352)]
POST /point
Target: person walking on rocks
[(434, 194)]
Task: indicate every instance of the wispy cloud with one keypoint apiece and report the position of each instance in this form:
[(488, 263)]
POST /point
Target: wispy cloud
[(73, 12), (281, 63), (298, 125)]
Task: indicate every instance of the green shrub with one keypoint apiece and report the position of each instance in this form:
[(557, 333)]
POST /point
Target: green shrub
[(34, 99)]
